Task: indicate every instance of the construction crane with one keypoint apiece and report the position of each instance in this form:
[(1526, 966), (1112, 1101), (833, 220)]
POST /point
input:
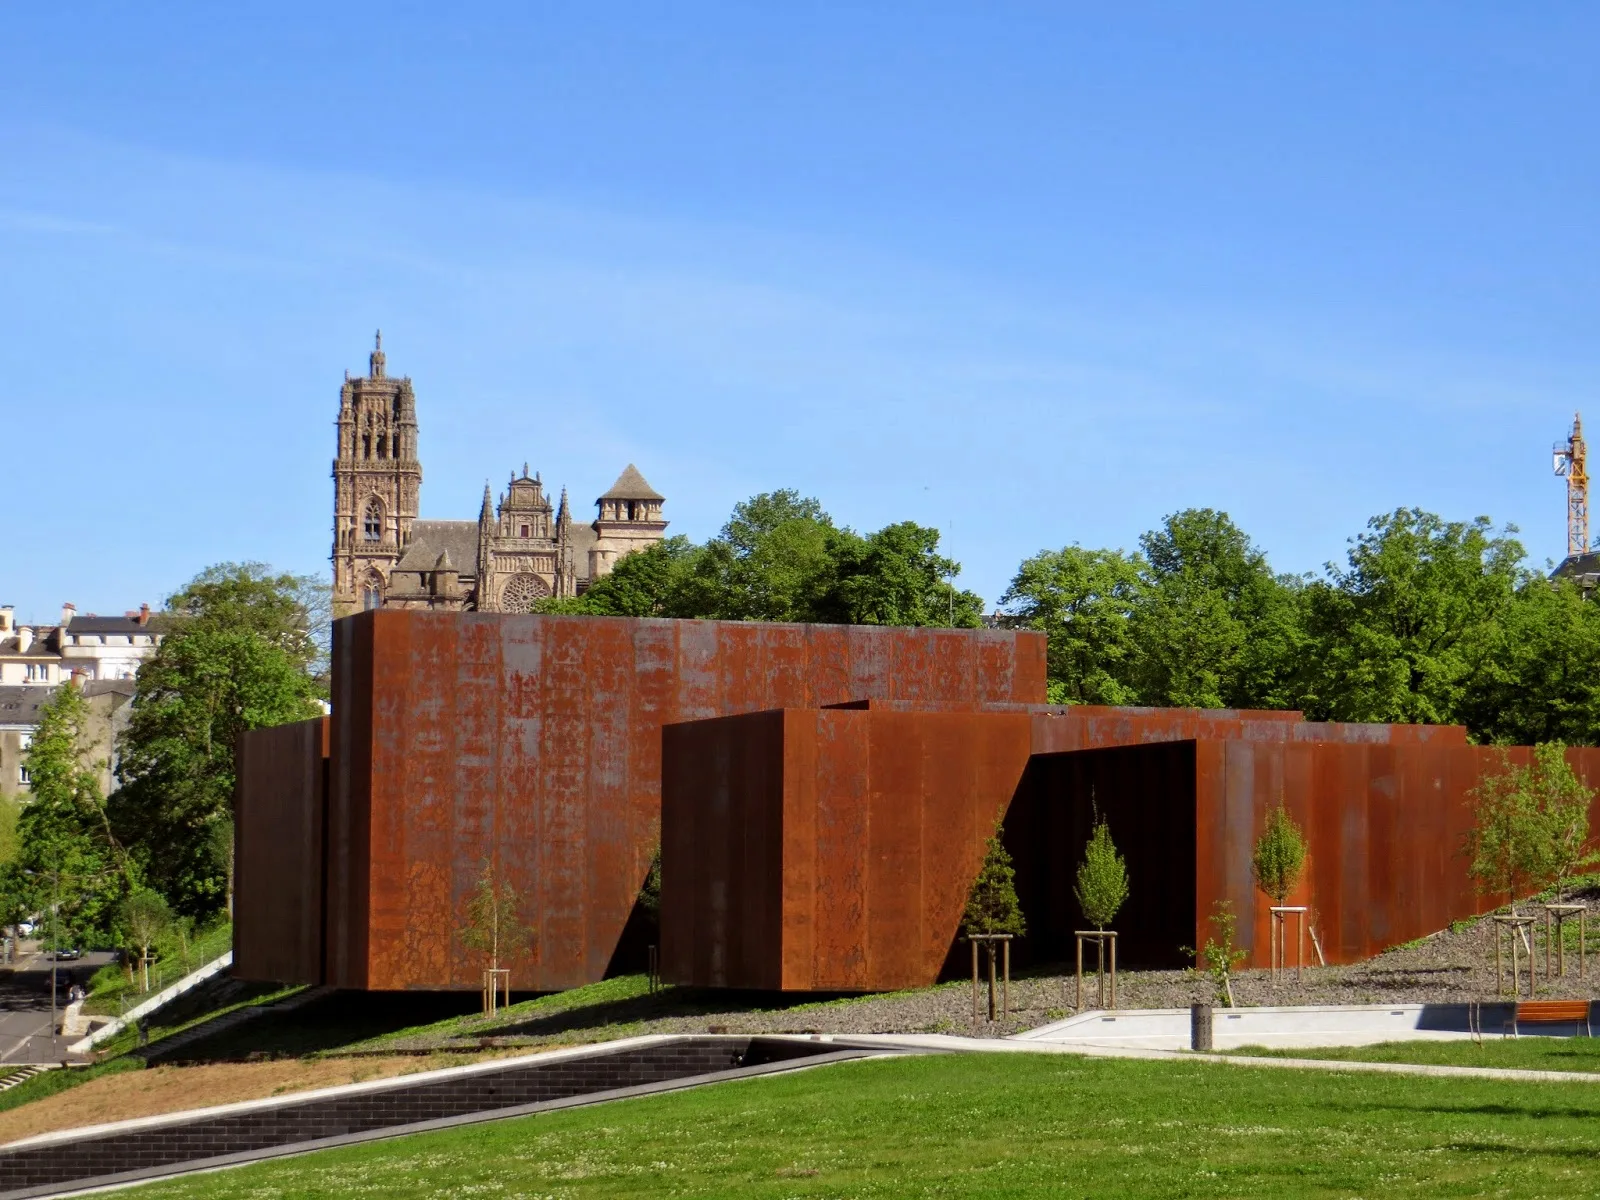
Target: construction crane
[(1571, 464)]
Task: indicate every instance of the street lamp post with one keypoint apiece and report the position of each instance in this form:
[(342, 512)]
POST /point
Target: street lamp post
[(55, 952), (55, 946)]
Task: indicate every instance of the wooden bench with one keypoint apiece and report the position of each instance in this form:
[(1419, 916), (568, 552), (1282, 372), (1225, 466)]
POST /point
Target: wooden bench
[(1550, 1012)]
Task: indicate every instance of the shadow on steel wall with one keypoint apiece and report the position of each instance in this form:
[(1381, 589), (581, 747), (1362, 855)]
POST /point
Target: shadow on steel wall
[(1147, 796)]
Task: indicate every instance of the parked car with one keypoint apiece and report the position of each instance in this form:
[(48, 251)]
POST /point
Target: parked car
[(68, 954)]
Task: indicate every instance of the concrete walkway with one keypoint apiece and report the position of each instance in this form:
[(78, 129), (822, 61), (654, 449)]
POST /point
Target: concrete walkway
[(1288, 1026)]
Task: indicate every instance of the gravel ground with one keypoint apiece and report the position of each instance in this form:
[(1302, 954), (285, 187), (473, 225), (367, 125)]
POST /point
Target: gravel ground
[(1453, 965)]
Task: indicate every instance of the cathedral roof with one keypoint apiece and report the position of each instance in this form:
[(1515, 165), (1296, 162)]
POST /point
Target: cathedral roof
[(631, 485), (430, 539)]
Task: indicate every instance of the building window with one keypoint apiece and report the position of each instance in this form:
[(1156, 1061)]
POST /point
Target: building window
[(372, 527), (524, 531), (23, 777)]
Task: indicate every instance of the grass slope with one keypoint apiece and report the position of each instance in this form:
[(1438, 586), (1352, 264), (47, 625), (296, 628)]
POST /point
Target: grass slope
[(1527, 1053), (994, 1126)]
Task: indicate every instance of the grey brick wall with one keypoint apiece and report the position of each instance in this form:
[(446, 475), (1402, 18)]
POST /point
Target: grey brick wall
[(307, 1120)]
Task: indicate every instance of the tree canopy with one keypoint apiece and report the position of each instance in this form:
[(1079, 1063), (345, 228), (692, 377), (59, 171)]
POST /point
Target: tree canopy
[(1426, 620), (780, 557), (241, 653)]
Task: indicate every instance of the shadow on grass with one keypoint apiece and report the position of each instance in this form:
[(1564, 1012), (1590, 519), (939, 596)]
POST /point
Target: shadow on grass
[(1522, 1151), (1538, 1113), (667, 1003), (329, 1023)]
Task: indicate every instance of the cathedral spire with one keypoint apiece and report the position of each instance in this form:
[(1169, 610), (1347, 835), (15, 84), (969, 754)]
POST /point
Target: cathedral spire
[(486, 513), (375, 363)]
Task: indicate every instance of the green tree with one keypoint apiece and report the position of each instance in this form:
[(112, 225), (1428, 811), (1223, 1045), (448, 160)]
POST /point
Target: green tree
[(145, 919), (776, 559), (494, 929), (10, 810), (1102, 885), (1083, 601), (289, 612), (992, 904), (67, 857), (1219, 958), (1280, 856), (239, 655), (1535, 675), (650, 892), (1531, 825), (653, 582), (780, 557), (1401, 631), (1215, 627), (897, 576)]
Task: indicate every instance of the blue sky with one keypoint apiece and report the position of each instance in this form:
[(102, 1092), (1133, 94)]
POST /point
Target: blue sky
[(1035, 274)]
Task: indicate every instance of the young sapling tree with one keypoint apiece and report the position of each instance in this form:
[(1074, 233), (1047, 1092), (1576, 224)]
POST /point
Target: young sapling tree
[(992, 904), (1102, 885), (1280, 856), (493, 928), (146, 917), (1219, 955), (1530, 825)]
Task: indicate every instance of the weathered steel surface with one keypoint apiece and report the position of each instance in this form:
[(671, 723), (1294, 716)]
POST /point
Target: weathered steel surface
[(534, 743), (280, 792), (1089, 727), (1385, 826), (827, 850)]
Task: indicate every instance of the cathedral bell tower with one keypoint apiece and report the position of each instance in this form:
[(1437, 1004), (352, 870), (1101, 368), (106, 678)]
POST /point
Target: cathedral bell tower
[(376, 482)]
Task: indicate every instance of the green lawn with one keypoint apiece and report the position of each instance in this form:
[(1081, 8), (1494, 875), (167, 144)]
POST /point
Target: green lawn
[(994, 1125), (1526, 1053)]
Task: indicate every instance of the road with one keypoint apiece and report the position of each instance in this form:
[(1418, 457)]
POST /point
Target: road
[(25, 1032)]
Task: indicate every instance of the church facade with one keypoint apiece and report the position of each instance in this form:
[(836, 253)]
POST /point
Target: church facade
[(521, 549)]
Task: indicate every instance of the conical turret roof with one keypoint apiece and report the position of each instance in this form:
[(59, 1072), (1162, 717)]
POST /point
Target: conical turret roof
[(631, 485)]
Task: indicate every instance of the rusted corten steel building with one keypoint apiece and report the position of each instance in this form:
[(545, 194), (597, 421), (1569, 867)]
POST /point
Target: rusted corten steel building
[(535, 742), (1186, 793), (821, 795)]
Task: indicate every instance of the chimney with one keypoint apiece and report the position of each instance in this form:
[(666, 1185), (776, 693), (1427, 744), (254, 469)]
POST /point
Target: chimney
[(24, 639), (68, 611), (144, 614), (7, 618)]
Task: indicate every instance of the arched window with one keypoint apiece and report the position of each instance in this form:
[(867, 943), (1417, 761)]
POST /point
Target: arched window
[(383, 446), (371, 595), (372, 526)]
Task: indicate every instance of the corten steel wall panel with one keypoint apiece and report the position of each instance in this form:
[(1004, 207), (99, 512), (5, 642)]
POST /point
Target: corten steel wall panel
[(280, 805), (881, 822), (722, 798), (1385, 825), (534, 743), (827, 852), (349, 808)]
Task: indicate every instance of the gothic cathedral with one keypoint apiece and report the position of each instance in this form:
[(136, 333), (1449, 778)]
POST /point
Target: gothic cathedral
[(518, 551)]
